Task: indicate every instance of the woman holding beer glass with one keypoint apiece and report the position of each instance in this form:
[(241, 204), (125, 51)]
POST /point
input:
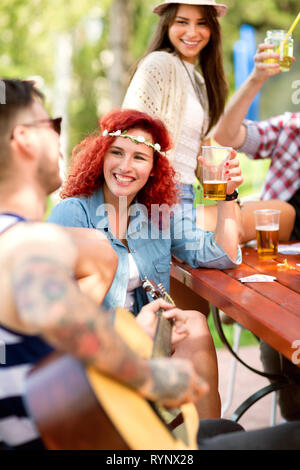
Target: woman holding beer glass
[(118, 180), (181, 80)]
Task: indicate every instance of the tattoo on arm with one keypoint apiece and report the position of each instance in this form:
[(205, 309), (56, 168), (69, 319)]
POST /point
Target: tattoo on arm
[(168, 382), (48, 299)]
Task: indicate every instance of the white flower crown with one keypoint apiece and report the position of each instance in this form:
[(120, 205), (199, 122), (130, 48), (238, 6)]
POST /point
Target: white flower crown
[(136, 139)]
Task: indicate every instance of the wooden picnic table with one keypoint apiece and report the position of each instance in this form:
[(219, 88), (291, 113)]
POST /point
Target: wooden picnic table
[(270, 310)]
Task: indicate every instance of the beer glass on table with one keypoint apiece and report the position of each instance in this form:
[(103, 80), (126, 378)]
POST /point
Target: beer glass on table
[(214, 180), (267, 231)]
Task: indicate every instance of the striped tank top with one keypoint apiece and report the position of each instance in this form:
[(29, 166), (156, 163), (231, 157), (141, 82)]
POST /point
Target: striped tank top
[(18, 353)]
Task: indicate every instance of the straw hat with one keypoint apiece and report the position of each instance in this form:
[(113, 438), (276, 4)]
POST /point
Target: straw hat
[(221, 9)]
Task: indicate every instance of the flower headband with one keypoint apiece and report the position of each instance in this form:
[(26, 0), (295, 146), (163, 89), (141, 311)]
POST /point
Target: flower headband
[(135, 139)]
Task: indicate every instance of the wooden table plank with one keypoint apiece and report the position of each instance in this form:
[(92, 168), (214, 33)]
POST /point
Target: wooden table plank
[(267, 319), (287, 277), (276, 292)]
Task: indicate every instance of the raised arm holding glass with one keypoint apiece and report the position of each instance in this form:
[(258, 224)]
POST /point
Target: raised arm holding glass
[(277, 138)]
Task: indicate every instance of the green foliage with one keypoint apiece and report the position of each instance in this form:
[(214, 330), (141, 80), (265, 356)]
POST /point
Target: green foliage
[(29, 32), (247, 338), (29, 29), (83, 103)]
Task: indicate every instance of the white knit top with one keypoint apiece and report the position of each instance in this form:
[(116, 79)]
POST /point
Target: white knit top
[(134, 282), (160, 87), (188, 146)]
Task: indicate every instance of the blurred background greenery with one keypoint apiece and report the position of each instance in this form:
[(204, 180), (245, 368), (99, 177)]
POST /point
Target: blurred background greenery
[(81, 54)]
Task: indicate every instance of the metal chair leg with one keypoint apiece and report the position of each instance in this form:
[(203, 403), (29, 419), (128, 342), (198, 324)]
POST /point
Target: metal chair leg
[(238, 413), (273, 408), (236, 342)]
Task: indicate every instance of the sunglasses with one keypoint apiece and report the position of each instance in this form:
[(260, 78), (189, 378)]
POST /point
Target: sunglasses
[(55, 123)]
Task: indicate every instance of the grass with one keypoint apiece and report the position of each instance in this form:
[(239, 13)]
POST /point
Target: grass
[(247, 338)]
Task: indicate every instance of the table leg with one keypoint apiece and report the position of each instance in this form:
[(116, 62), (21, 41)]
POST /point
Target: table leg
[(280, 381), (216, 317)]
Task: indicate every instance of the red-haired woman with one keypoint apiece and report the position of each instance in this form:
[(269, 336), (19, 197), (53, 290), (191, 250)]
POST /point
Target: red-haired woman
[(121, 183)]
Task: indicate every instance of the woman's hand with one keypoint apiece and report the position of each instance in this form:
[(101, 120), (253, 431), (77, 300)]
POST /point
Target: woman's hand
[(147, 319), (233, 173), (264, 70)]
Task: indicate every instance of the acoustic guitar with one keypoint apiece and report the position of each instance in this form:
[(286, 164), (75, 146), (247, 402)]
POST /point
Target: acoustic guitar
[(78, 408)]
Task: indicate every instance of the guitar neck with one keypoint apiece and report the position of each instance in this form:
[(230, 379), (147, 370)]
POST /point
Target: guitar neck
[(162, 346)]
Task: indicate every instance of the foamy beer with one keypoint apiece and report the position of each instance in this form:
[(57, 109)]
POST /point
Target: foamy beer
[(267, 230), (214, 181)]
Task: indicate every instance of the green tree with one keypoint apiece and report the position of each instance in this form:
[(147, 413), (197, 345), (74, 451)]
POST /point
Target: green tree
[(30, 32)]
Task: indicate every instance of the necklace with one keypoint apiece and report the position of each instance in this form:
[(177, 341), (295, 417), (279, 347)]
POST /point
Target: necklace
[(197, 91), (194, 84)]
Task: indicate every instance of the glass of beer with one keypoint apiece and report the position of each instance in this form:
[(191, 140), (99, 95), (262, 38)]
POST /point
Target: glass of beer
[(214, 181), (267, 230), (282, 45)]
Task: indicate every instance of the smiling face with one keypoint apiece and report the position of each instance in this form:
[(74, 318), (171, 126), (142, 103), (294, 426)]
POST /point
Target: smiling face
[(127, 167), (189, 32)]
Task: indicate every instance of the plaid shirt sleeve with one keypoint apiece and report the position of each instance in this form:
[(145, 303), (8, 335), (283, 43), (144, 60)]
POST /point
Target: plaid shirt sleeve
[(277, 138), (262, 136), (252, 141)]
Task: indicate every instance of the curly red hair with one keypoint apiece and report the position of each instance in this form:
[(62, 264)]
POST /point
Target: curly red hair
[(86, 169)]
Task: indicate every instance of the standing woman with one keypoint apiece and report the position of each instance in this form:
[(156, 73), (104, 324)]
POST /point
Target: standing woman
[(118, 179), (181, 80)]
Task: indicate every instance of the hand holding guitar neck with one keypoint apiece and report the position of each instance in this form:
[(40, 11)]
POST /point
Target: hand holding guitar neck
[(182, 381), (170, 322)]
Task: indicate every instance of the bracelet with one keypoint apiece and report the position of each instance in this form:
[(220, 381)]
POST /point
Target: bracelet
[(232, 196)]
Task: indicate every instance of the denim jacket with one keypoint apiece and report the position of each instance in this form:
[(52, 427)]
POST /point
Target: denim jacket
[(151, 246)]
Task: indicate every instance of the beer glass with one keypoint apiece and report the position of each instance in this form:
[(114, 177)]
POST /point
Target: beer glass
[(214, 181), (282, 45), (267, 230)]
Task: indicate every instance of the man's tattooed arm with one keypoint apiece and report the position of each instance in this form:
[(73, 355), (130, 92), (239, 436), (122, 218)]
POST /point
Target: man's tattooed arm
[(49, 300)]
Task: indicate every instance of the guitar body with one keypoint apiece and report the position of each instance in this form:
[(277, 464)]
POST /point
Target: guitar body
[(65, 409), (79, 409)]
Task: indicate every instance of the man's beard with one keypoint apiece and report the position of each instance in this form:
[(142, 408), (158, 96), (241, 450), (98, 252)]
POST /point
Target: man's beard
[(48, 179)]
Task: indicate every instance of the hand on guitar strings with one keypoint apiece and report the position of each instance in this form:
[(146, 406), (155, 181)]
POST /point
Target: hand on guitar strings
[(147, 319)]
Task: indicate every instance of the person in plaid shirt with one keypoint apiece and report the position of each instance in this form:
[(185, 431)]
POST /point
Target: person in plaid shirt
[(277, 138)]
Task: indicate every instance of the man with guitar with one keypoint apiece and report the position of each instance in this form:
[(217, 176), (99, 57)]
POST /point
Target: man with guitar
[(39, 295), (42, 306)]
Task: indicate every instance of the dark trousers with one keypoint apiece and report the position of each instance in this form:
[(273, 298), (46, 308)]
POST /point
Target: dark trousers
[(222, 434), (289, 398)]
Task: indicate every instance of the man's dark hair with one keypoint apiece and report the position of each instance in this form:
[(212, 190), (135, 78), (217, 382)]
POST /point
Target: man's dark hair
[(19, 95)]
